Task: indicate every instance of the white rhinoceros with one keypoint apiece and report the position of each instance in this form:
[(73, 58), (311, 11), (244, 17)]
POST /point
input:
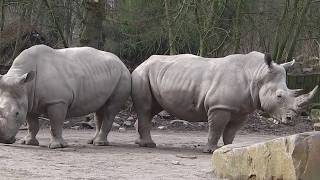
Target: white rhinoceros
[(61, 83), (222, 91)]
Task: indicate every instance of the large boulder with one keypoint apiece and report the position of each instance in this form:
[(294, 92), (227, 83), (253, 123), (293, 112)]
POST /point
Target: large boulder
[(291, 157)]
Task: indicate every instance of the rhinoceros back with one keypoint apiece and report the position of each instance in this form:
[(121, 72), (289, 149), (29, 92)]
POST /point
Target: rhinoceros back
[(84, 78)]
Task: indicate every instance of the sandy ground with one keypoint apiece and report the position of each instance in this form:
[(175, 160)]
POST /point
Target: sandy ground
[(178, 156)]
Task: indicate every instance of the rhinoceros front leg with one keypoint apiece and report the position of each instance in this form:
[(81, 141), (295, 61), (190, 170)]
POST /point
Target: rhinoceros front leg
[(57, 114), (217, 120), (236, 121), (33, 129)]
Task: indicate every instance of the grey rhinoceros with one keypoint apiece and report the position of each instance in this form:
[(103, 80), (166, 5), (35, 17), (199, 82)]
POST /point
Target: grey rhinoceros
[(61, 83), (222, 91)]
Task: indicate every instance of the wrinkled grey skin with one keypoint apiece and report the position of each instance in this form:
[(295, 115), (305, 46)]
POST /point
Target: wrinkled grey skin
[(60, 84), (222, 91)]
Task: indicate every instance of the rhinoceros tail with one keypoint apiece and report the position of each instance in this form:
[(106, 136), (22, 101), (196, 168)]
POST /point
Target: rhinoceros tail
[(268, 59), (141, 93)]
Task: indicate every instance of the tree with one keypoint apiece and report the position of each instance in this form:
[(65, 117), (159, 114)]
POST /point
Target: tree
[(94, 16), (53, 16), (171, 38), (2, 17)]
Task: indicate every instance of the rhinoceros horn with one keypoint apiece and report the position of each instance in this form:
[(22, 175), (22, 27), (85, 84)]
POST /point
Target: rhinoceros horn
[(296, 92), (287, 65), (304, 99)]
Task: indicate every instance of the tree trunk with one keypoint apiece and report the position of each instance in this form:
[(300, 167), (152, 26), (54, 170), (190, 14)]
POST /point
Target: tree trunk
[(236, 33), (64, 41), (201, 28), (92, 33), (2, 17), (68, 21), (19, 40), (297, 32), (276, 43), (169, 28)]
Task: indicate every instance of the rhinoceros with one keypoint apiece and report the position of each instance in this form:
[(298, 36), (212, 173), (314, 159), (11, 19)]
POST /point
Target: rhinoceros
[(222, 91), (61, 83)]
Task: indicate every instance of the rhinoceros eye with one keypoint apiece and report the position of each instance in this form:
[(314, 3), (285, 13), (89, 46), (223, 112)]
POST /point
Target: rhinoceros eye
[(279, 96), (17, 113)]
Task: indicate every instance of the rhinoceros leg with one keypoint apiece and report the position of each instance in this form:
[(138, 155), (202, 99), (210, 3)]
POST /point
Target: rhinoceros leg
[(57, 114), (104, 117), (237, 120), (146, 107), (98, 122), (217, 120), (33, 129), (106, 114)]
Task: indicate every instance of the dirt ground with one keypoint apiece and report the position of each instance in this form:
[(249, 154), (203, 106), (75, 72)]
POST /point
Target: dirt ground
[(178, 156)]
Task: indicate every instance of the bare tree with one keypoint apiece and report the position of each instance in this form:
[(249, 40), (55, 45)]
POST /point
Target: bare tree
[(64, 41), (2, 17), (171, 38), (92, 33)]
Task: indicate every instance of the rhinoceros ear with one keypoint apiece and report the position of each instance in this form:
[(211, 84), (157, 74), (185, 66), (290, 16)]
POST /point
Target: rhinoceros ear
[(27, 77), (287, 65), (268, 59)]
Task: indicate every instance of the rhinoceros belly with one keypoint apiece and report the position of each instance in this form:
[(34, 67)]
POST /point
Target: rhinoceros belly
[(179, 94)]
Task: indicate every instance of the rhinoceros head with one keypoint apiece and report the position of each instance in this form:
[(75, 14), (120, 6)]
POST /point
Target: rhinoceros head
[(13, 105), (280, 102)]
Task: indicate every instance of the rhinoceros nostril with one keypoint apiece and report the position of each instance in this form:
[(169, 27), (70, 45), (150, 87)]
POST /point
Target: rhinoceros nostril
[(289, 118)]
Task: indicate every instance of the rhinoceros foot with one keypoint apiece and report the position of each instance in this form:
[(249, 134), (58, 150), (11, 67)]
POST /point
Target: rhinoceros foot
[(142, 143), (210, 148), (29, 141), (100, 143), (57, 143)]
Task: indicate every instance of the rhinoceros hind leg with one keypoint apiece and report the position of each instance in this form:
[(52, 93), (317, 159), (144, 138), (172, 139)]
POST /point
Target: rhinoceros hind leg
[(33, 129), (217, 119), (103, 125), (106, 114), (57, 114), (146, 107), (27, 140), (232, 127), (57, 143), (142, 143)]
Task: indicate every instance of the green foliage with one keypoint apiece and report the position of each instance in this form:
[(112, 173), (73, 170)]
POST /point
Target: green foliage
[(137, 29)]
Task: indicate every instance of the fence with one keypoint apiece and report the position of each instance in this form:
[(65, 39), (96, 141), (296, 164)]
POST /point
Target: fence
[(306, 82)]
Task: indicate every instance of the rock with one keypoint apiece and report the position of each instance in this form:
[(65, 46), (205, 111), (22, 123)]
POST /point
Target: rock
[(175, 162), (180, 122), (122, 129), (164, 115), (186, 156), (86, 125), (118, 119), (162, 127), (291, 157), (315, 115), (115, 125), (128, 123), (316, 126), (130, 119), (75, 127), (136, 124), (24, 127)]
